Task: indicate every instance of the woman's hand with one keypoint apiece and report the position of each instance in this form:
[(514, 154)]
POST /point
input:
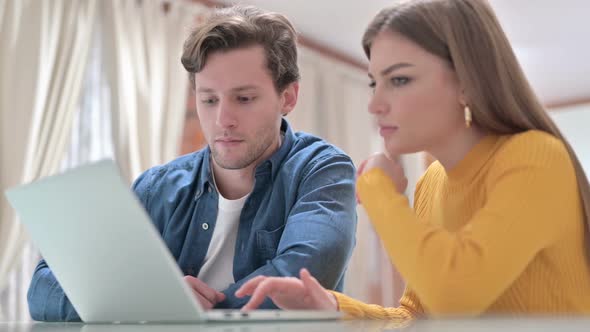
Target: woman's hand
[(390, 166), (288, 293)]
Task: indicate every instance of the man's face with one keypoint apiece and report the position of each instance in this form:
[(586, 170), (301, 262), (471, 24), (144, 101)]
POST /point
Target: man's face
[(239, 107)]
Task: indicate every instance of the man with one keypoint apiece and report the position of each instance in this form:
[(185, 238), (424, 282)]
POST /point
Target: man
[(260, 199)]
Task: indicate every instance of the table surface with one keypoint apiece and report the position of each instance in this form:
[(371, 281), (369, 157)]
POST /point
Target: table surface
[(449, 325)]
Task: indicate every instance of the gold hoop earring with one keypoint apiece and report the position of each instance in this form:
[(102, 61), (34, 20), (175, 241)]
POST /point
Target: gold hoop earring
[(468, 119)]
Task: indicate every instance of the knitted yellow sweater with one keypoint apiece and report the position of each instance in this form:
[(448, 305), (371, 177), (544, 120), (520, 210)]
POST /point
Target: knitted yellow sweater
[(501, 233)]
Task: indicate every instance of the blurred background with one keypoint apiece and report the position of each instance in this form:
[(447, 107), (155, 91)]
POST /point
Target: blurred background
[(83, 80)]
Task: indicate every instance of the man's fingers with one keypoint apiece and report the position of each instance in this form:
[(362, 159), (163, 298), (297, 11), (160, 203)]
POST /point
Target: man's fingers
[(205, 303), (220, 297), (311, 284), (249, 287), (203, 289), (263, 289), (274, 287)]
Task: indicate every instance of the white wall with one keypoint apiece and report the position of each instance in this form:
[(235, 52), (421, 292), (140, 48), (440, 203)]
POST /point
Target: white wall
[(574, 122)]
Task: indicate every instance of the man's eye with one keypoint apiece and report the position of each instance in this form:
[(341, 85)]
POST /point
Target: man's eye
[(245, 99), (209, 101)]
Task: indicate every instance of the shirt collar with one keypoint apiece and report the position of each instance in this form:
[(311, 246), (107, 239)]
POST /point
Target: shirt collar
[(272, 165)]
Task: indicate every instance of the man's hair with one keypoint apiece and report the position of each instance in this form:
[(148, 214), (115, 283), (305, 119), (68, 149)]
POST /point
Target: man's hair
[(237, 27)]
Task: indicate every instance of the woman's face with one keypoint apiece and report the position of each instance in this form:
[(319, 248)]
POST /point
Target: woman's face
[(417, 99)]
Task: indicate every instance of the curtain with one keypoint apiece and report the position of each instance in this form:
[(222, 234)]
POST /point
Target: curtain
[(142, 48), (44, 51)]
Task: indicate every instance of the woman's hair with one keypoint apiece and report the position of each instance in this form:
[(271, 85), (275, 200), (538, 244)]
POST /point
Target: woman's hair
[(467, 34)]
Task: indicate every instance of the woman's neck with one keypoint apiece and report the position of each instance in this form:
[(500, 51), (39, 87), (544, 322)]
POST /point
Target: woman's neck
[(451, 151)]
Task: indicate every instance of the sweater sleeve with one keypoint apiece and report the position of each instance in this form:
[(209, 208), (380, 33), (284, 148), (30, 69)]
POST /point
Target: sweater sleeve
[(410, 307), (531, 197), (353, 309)]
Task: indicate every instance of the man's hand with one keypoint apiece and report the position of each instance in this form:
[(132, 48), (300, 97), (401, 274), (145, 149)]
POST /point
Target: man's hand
[(288, 293), (207, 296)]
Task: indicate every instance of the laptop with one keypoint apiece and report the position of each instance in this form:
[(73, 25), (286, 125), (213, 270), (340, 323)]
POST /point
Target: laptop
[(108, 256)]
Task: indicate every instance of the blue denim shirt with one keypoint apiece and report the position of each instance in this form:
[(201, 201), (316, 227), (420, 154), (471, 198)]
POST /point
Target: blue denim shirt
[(301, 213)]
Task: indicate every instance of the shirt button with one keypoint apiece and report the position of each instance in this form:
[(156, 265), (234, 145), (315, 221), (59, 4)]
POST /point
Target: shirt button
[(209, 190), (205, 226)]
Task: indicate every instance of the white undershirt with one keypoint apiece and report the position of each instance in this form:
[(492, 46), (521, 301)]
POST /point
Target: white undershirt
[(218, 267)]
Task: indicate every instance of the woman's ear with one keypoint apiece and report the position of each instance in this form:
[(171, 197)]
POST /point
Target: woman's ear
[(463, 98)]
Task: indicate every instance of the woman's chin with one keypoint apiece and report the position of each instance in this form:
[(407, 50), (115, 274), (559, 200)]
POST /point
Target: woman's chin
[(396, 149)]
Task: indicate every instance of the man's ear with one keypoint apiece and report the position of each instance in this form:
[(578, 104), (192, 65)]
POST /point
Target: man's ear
[(289, 98)]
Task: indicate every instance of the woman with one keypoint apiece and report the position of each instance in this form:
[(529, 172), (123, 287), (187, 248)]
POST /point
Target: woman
[(500, 221)]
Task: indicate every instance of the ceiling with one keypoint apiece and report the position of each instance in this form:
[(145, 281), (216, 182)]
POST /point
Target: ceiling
[(551, 38)]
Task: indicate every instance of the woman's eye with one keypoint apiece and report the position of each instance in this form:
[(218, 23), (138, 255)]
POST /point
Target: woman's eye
[(400, 80)]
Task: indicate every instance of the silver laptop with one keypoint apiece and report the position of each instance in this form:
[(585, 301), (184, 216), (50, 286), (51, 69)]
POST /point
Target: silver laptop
[(107, 255)]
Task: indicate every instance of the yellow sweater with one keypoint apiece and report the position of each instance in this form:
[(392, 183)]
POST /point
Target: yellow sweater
[(501, 233)]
